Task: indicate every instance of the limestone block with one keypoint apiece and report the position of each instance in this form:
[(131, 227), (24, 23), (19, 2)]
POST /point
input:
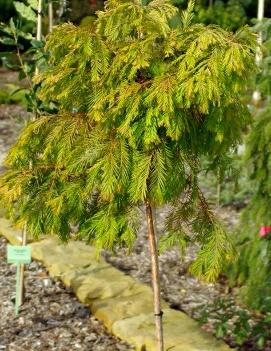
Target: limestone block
[(62, 258), (75, 276), (7, 229), (132, 301), (44, 250), (115, 309), (101, 282), (181, 333)]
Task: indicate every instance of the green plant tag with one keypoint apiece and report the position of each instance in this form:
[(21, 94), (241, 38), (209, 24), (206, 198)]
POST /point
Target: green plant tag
[(19, 254)]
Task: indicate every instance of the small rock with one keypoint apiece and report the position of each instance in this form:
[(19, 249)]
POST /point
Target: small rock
[(21, 320), (47, 282), (91, 337), (55, 308)]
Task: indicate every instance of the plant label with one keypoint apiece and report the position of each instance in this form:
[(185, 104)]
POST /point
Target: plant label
[(19, 254)]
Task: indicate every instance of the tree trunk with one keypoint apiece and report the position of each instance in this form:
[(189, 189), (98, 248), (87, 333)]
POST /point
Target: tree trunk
[(62, 8), (50, 16), (155, 278), (256, 97), (39, 21), (39, 27)]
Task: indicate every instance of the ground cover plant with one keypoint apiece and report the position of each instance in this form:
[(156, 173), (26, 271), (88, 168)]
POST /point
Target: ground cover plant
[(240, 327), (140, 102)]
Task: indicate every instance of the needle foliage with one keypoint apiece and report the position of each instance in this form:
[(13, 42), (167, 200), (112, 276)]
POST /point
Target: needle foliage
[(252, 269), (139, 103)]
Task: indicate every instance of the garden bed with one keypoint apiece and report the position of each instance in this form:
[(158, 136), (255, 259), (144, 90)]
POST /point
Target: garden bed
[(51, 317), (179, 288)]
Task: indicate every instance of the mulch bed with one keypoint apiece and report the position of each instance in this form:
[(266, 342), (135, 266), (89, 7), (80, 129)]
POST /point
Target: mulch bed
[(51, 317)]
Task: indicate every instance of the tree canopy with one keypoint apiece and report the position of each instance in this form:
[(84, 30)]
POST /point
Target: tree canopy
[(140, 101)]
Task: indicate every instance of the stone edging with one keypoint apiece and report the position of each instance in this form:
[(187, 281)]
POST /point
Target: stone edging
[(121, 303)]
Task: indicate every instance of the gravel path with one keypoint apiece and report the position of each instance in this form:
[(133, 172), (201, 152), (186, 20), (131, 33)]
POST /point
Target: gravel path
[(51, 318)]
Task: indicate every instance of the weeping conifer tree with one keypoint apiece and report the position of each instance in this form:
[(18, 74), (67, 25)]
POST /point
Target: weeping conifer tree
[(139, 103)]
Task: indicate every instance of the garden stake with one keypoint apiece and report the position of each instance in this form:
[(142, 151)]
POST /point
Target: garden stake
[(21, 289)]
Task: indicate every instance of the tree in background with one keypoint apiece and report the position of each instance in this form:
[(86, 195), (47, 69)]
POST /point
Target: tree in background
[(252, 270), (82, 8), (139, 103), (7, 10), (23, 40), (229, 15), (24, 43)]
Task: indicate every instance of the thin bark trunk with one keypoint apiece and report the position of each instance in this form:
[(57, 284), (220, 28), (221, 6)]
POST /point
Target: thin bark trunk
[(218, 193), (50, 16), (155, 278), (22, 288), (218, 189), (39, 27), (39, 21), (62, 8), (256, 97)]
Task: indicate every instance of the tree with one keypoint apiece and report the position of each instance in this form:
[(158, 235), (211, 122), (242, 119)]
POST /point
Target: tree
[(139, 103), (227, 14), (252, 269)]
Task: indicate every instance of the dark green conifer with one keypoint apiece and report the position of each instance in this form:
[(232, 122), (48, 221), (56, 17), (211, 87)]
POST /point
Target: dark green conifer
[(252, 269), (139, 103)]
